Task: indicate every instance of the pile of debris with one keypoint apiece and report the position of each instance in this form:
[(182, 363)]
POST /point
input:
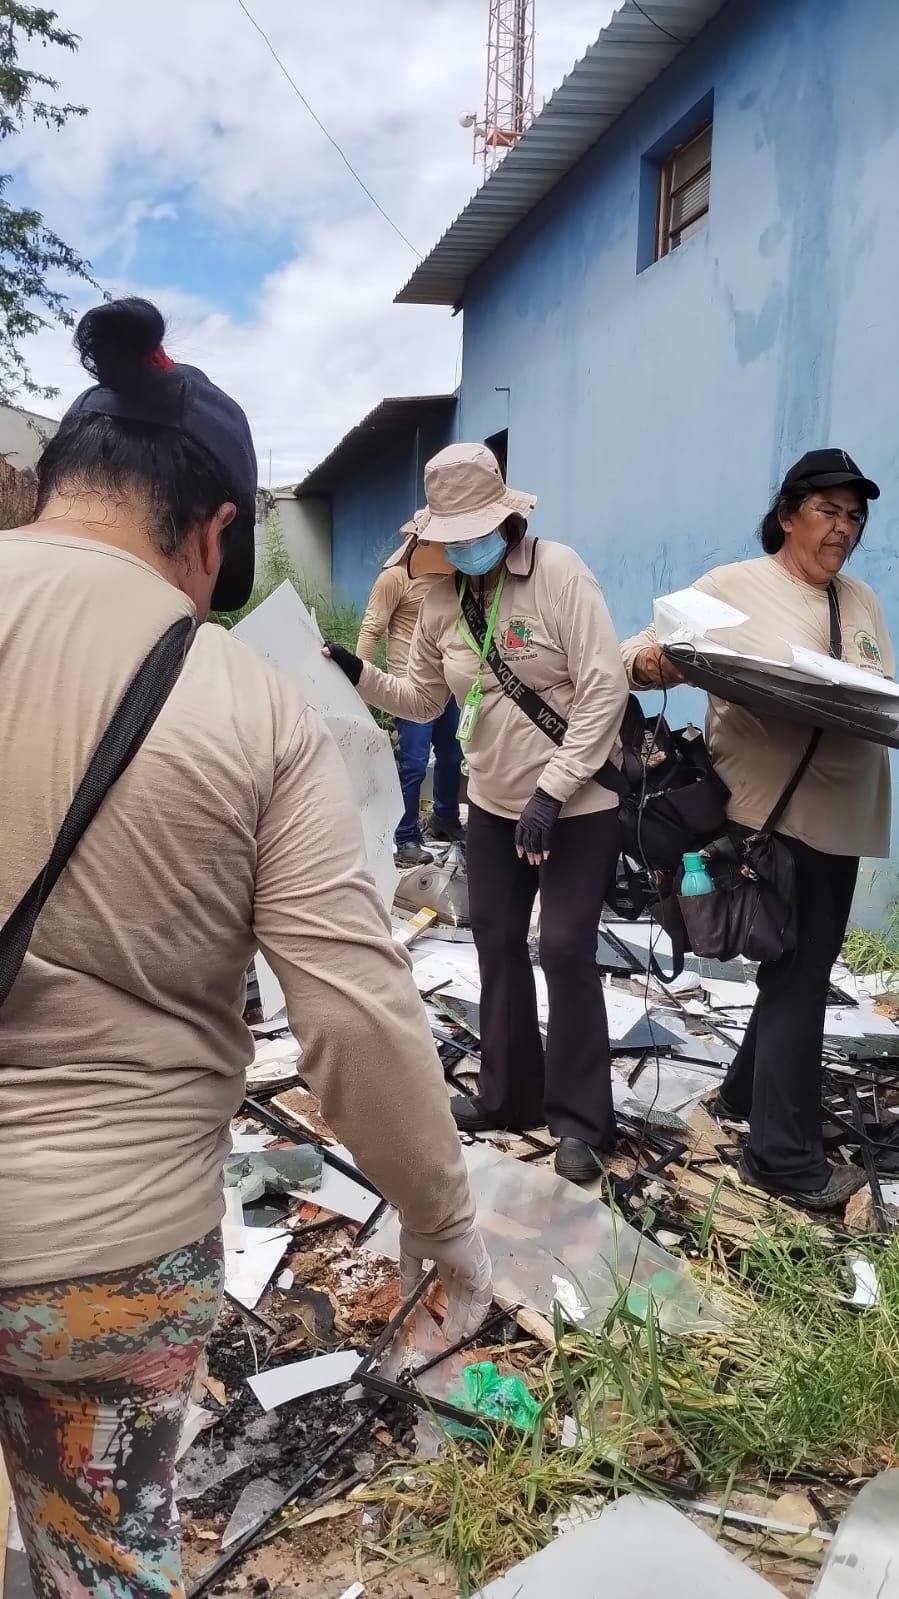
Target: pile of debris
[(670, 1357)]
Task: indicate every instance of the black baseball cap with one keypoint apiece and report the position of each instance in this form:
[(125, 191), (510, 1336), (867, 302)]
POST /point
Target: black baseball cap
[(120, 343), (829, 469)]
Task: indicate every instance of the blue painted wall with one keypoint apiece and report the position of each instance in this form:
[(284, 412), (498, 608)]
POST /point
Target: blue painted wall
[(654, 411), (370, 505)]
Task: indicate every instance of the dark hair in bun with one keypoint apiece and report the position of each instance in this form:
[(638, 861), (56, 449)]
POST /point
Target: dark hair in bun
[(125, 439), (117, 341)]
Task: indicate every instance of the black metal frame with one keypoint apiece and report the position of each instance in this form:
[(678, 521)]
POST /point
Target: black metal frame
[(369, 1377)]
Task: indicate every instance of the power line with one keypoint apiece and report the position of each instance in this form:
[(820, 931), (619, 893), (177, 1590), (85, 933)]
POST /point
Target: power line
[(643, 13), (318, 121)]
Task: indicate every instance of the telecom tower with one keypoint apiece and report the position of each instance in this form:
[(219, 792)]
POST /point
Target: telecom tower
[(510, 81)]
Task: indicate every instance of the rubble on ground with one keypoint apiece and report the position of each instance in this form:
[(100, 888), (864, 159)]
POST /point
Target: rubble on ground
[(663, 1273)]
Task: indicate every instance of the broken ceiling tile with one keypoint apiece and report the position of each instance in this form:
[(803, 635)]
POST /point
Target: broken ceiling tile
[(258, 1499), (340, 1195), (863, 1561), (634, 1549)]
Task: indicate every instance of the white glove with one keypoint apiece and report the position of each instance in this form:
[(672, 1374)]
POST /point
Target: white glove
[(464, 1269)]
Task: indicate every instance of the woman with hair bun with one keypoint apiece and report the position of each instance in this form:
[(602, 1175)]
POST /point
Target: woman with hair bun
[(796, 593), (122, 1046)]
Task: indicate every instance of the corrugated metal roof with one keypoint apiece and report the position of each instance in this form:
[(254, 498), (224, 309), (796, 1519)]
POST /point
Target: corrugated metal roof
[(630, 53), (391, 417)]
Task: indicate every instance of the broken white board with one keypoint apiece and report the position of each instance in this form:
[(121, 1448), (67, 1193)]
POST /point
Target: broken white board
[(283, 1383), (282, 632), (689, 616), (634, 1549), (341, 1196), (248, 1272)]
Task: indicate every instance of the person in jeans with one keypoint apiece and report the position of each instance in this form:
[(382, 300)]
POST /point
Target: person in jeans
[(840, 810), (122, 1046), (393, 607), (536, 818)]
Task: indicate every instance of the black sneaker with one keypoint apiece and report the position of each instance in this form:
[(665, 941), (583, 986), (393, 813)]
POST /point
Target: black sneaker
[(470, 1118), (718, 1108), (413, 855), (578, 1161), (443, 832), (843, 1182)]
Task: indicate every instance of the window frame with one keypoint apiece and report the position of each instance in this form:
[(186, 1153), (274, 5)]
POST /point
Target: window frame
[(668, 192)]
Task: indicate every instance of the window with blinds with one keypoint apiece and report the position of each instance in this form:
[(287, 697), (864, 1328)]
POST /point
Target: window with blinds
[(684, 180)]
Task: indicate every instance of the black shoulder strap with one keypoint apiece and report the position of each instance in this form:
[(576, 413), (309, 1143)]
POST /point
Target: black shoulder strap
[(835, 651), (535, 708), (132, 720)]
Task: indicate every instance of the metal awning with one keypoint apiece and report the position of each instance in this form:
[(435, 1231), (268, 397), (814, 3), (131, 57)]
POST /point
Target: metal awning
[(631, 52), (390, 419)]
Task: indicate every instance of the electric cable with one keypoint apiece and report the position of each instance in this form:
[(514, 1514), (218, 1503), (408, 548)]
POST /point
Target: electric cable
[(668, 35), (329, 136)]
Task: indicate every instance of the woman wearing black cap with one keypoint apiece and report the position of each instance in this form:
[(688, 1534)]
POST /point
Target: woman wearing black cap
[(840, 810), (122, 1045)]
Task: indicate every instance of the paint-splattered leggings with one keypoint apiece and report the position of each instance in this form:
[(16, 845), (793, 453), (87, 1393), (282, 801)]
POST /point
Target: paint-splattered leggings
[(94, 1379)]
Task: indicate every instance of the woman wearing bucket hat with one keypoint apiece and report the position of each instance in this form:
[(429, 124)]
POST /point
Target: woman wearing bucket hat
[(796, 594), (523, 612), (393, 607)]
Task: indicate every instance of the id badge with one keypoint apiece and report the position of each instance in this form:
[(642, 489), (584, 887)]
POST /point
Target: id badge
[(469, 713)]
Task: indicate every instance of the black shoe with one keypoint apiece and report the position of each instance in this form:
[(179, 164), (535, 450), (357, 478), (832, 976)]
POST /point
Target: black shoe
[(843, 1182), (720, 1110), (579, 1162), (413, 855), (469, 1118), (443, 832)]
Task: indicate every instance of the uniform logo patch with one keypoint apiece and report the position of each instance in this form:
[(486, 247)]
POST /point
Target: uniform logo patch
[(518, 634), (868, 649)]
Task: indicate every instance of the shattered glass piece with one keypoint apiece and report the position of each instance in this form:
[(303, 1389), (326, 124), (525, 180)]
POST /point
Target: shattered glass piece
[(538, 1227), (206, 1465), (257, 1499), (863, 1561)]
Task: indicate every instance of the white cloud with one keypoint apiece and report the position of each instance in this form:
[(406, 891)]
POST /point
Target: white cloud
[(189, 114)]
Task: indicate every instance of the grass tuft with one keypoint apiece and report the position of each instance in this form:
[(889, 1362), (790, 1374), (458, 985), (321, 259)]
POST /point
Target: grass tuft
[(799, 1384)]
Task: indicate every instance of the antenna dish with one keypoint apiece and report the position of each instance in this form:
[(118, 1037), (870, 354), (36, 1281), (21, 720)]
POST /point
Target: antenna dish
[(467, 119)]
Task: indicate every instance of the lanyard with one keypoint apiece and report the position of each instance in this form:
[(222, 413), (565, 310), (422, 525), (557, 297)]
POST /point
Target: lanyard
[(472, 705), (482, 651)]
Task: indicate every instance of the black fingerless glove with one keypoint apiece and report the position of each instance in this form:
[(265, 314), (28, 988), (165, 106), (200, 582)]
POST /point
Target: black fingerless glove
[(349, 664)]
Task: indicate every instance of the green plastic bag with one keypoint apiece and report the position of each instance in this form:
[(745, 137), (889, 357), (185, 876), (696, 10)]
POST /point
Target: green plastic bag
[(488, 1394)]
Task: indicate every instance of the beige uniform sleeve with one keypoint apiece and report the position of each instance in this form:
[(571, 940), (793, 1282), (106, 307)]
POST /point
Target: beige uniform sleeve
[(600, 688), (367, 1049), (422, 694), (631, 647), (387, 591)]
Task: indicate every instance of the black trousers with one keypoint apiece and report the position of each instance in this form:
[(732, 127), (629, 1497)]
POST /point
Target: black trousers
[(571, 1089), (776, 1075)]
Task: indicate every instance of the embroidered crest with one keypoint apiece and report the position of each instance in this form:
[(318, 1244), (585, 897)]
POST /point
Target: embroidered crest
[(518, 634), (868, 649)]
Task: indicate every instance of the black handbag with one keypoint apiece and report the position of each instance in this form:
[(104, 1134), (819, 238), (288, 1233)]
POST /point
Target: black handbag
[(752, 910), (132, 720)]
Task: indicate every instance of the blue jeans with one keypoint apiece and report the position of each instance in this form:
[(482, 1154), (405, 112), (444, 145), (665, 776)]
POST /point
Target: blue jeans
[(415, 740)]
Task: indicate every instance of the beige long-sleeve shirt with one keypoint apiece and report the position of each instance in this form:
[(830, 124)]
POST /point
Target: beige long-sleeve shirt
[(122, 1048), (554, 630), (842, 804), (393, 607)]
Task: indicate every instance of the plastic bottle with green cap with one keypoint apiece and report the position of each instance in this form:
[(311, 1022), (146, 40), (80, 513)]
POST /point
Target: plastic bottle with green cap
[(696, 878)]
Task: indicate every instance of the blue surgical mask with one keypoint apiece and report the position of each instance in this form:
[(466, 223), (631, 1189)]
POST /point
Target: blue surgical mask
[(474, 557)]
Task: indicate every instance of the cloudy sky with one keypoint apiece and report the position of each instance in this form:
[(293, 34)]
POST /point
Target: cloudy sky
[(200, 180)]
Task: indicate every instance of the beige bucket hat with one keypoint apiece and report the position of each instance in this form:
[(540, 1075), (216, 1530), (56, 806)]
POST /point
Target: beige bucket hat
[(467, 496)]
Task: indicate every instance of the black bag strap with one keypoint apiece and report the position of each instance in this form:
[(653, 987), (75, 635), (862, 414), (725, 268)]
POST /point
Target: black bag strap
[(535, 708), (132, 720), (835, 651)]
